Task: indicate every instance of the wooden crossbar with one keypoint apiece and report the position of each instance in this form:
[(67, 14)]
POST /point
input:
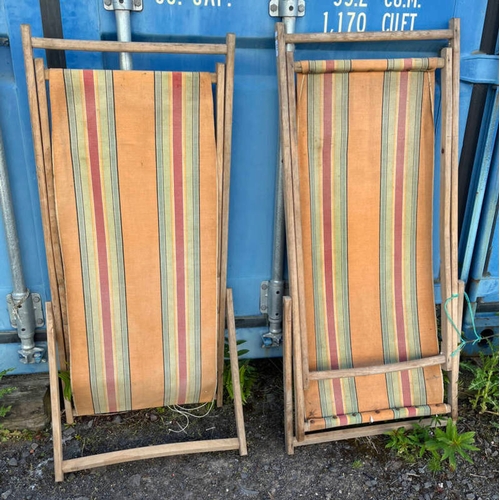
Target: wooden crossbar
[(370, 36), (146, 452), (136, 47), (373, 370)]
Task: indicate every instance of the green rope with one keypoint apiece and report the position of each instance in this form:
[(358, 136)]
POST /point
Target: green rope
[(463, 342)]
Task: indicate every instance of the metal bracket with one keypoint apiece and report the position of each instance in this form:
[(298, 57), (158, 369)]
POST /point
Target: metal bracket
[(264, 293), (37, 309), (34, 355), (133, 5), (287, 8), (271, 339), (271, 303)]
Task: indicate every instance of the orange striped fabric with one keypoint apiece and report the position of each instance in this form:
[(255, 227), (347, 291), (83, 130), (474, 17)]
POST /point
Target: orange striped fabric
[(134, 164), (366, 146)]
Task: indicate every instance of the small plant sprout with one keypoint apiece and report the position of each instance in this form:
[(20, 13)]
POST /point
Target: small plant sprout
[(484, 386), (432, 443), (248, 374), (3, 392), (452, 443), (65, 378), (4, 433)]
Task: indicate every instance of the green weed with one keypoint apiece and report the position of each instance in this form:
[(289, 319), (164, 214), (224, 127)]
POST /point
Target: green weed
[(23, 435), (3, 392), (484, 385), (65, 377), (434, 463), (432, 443), (450, 443), (248, 374)]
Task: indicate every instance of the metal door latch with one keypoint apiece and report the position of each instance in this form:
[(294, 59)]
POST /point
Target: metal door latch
[(34, 355), (15, 311), (133, 5), (271, 303), (287, 8), (26, 314)]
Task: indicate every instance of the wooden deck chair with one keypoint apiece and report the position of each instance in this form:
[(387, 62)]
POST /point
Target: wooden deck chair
[(358, 142), (133, 169)]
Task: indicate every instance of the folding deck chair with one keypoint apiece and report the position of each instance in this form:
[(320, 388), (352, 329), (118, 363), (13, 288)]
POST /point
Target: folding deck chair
[(133, 171), (361, 346)]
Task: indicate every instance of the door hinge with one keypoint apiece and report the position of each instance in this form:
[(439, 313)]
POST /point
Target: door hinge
[(287, 8), (133, 5)]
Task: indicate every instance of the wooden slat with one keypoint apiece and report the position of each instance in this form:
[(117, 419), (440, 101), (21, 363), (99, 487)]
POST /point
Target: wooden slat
[(51, 198), (54, 395), (367, 430), (226, 181), (290, 232), (369, 36), (235, 374), (54, 233), (297, 215), (447, 332), (454, 373), (287, 373), (298, 65), (455, 88), (373, 370), (162, 450), (134, 47), (33, 101), (457, 287), (220, 176)]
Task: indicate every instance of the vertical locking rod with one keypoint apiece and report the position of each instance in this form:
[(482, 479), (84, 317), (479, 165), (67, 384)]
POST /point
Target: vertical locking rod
[(288, 10), (20, 300), (122, 9)]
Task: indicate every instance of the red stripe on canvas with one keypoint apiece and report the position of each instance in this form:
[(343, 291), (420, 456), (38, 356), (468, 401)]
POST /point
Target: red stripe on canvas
[(102, 251), (327, 237), (398, 235)]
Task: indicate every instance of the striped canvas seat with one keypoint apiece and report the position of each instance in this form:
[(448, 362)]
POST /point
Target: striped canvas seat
[(366, 167), (134, 163)]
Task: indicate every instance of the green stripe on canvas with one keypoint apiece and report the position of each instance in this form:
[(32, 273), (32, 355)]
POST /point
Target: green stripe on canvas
[(108, 359), (167, 119)]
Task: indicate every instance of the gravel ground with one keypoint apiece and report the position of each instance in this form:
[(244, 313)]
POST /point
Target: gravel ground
[(354, 469)]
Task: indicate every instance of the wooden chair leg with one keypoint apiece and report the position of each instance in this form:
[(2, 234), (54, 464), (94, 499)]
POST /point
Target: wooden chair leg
[(221, 88), (287, 373), (235, 374), (68, 410), (54, 396), (455, 368)]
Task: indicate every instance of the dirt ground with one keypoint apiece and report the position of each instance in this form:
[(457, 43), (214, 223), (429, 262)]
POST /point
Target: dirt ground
[(354, 469)]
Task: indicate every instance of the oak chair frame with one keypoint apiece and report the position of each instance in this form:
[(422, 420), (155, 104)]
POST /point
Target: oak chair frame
[(56, 311), (295, 354)]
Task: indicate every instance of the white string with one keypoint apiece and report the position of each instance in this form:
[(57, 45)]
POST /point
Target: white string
[(187, 413)]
